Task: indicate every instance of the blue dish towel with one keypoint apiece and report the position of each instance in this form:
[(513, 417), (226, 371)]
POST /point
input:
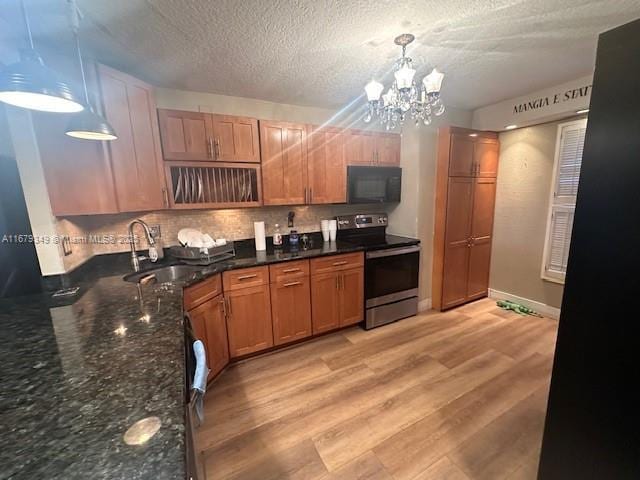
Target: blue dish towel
[(199, 385), (202, 370)]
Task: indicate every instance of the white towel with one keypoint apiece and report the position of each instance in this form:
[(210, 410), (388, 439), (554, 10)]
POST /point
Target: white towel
[(199, 384), (202, 370)]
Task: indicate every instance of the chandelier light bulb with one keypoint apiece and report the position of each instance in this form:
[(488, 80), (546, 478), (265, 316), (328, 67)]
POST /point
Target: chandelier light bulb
[(404, 76), (433, 82), (374, 90)]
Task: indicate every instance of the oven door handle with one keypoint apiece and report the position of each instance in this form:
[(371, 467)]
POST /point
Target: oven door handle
[(393, 251)]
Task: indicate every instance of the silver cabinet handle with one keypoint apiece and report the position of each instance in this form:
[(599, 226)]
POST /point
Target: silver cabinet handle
[(305, 195), (223, 302), (210, 151), (337, 282), (292, 270), (337, 264), (217, 147), (291, 284), (165, 197), (247, 277)]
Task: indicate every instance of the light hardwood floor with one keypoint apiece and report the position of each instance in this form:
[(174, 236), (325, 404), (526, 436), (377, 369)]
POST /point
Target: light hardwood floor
[(458, 395)]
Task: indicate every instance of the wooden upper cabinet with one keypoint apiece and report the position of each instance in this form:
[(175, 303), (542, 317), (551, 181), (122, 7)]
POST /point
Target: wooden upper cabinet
[(235, 139), (186, 135), (284, 163), (388, 149), (360, 147), (372, 148), (473, 156), (129, 105), (77, 172), (462, 162), (326, 166), (485, 155)]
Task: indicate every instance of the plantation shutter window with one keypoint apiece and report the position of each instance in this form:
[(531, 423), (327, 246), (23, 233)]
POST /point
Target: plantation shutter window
[(568, 160)]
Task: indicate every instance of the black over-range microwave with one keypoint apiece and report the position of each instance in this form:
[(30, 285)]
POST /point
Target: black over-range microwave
[(374, 184)]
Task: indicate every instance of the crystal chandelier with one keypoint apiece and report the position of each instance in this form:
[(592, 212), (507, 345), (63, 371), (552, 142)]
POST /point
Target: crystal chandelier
[(404, 98)]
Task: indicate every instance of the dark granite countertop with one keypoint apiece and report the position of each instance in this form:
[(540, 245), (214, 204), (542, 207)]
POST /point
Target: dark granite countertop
[(76, 377), (77, 373)]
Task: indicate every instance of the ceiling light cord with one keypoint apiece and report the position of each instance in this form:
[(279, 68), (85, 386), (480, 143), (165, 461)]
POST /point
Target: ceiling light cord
[(27, 25)]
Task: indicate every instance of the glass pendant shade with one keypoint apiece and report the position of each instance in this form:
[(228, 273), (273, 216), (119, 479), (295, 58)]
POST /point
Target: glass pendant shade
[(433, 81), (88, 125), (404, 76), (30, 84), (373, 90)]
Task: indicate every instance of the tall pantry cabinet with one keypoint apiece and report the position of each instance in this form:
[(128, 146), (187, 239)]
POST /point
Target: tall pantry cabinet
[(465, 201)]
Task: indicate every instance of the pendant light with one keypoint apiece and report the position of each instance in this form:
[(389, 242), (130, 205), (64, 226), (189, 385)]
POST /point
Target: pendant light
[(87, 125), (30, 84)]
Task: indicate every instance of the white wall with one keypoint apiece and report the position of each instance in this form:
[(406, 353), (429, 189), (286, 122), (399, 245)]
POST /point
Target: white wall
[(553, 103)]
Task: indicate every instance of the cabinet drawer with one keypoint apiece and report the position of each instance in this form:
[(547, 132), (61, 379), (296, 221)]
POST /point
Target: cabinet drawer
[(201, 292), (246, 277), (336, 263), (282, 272)]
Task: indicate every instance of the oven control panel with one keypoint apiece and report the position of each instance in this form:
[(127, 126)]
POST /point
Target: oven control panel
[(362, 221)]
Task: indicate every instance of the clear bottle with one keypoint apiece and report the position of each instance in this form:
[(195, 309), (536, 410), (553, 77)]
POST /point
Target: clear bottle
[(277, 236)]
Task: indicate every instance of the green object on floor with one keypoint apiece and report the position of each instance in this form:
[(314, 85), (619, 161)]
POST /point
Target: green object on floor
[(516, 307)]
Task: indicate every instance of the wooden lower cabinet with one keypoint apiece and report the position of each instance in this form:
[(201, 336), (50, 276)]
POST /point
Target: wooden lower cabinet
[(352, 297), (325, 302), (209, 324), (291, 310), (337, 299), (249, 320)]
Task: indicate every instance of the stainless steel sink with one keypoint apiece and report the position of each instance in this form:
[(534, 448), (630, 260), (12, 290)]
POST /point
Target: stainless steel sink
[(172, 273)]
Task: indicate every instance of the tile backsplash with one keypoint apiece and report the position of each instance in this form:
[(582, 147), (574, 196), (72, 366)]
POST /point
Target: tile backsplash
[(232, 224)]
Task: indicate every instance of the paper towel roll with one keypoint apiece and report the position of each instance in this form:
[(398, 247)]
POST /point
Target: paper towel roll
[(261, 241)]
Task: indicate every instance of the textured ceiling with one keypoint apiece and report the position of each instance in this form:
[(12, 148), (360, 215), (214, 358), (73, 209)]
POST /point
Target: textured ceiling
[(322, 52)]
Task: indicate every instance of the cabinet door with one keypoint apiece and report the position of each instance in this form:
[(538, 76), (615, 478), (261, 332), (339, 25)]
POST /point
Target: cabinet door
[(249, 320), (283, 148), (209, 325), (457, 238), (360, 147), (461, 163), (326, 167), (486, 158), (185, 135), (77, 172), (129, 106), (388, 150), (217, 343), (351, 296), (235, 139), (484, 194), (291, 310), (325, 302)]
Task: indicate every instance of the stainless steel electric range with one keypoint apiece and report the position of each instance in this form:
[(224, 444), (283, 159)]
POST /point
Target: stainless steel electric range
[(392, 266)]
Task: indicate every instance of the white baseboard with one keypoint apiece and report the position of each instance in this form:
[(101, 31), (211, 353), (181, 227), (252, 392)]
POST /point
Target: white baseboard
[(424, 305), (542, 308)]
